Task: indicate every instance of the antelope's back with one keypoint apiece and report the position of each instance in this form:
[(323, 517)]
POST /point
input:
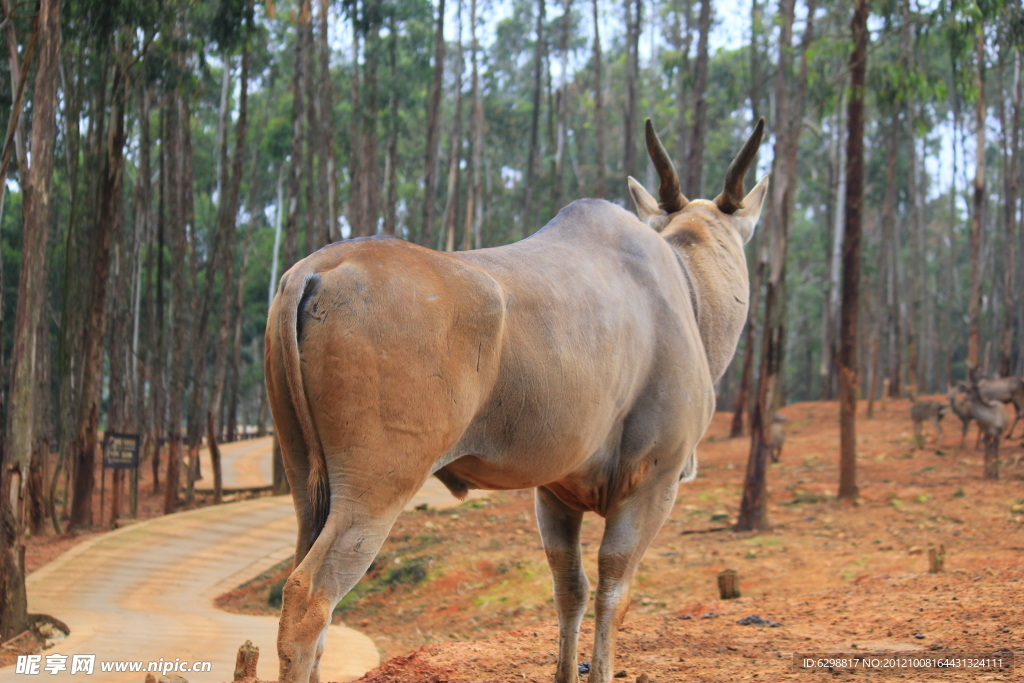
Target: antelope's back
[(394, 339)]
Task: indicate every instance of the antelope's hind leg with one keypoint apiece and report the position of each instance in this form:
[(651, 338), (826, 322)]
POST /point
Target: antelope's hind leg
[(627, 533), (560, 531), (363, 510)]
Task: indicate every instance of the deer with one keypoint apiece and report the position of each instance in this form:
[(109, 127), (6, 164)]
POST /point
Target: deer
[(777, 438), (961, 407), (1005, 390), (580, 362), (993, 422), (922, 410)]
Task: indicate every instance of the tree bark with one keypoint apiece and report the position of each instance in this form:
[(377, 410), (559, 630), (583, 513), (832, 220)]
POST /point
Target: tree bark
[(1011, 176), (526, 222), (789, 111), (478, 137), (391, 177), (451, 207), (695, 162), (178, 121), (634, 10), (978, 206), (433, 133), (851, 257), (325, 120), (108, 224), (296, 168), (228, 215), (369, 185), (598, 107), (890, 252)]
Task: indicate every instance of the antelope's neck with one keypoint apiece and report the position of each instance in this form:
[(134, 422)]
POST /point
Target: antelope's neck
[(716, 272)]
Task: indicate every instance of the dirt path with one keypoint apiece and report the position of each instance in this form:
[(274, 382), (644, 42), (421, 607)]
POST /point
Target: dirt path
[(146, 592)]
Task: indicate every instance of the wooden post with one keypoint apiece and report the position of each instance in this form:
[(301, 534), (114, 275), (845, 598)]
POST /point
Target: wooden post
[(245, 663), (729, 584), (936, 559)]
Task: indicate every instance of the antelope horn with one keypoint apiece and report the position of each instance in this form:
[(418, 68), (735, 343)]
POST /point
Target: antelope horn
[(672, 198), (731, 199)]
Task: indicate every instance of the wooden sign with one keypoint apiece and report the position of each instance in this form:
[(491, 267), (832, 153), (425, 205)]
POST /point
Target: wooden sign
[(121, 451)]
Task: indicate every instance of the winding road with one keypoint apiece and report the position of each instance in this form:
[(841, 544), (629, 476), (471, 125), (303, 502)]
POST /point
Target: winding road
[(145, 592)]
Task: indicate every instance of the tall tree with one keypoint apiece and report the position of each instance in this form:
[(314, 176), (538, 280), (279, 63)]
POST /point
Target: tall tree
[(296, 165), (789, 112), (978, 204), (227, 217), (433, 131), (18, 434), (328, 163), (1011, 175), (477, 188), (598, 106), (695, 162), (526, 221), (634, 22), (852, 256), (451, 207)]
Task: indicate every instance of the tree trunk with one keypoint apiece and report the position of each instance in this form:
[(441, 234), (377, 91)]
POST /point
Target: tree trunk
[(827, 370), (391, 177), (1011, 176), (695, 162), (227, 217), (478, 137), (296, 168), (451, 207), (108, 224), (354, 207), (851, 257), (526, 222), (974, 239), (178, 121), (433, 133), (329, 170), (557, 186), (890, 252), (315, 224), (598, 107), (369, 185), (634, 9), (789, 111)]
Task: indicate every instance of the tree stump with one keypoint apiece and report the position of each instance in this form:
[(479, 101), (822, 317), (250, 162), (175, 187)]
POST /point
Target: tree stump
[(729, 584), (245, 663), (936, 559)]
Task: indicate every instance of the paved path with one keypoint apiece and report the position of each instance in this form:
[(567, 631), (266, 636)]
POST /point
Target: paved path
[(146, 591), (244, 464)]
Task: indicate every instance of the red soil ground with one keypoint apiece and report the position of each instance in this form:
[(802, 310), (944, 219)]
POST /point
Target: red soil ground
[(464, 595)]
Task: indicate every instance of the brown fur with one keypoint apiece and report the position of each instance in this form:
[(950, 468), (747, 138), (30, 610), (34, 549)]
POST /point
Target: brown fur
[(580, 362)]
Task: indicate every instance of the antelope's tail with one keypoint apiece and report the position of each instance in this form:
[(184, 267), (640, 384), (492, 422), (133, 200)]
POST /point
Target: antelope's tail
[(295, 292)]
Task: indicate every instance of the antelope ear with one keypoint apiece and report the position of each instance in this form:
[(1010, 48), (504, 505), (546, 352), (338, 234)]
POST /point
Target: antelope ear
[(746, 218), (646, 206)]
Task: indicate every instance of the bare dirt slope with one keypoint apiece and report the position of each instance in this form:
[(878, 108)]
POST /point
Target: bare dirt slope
[(464, 595)]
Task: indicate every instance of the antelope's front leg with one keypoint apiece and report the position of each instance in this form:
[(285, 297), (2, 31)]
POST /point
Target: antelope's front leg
[(627, 533), (560, 531)]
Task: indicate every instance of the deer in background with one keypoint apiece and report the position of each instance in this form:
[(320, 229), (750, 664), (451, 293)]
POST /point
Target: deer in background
[(993, 421), (1005, 390), (778, 438), (926, 410), (961, 407), (579, 362)]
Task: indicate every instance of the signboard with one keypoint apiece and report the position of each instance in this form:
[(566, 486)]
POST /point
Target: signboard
[(121, 451)]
